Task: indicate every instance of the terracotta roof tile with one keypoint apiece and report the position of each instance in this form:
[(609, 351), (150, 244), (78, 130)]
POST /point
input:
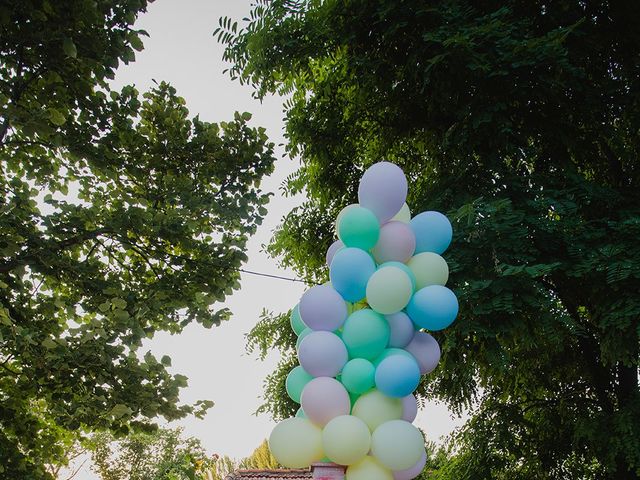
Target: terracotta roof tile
[(293, 474)]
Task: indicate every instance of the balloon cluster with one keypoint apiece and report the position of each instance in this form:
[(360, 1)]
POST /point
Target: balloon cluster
[(361, 341)]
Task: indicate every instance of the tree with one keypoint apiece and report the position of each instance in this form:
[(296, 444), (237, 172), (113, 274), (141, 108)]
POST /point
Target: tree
[(120, 216), (519, 119), (260, 459), (159, 455)]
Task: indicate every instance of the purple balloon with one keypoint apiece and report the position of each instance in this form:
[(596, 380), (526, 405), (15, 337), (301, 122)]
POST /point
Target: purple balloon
[(425, 350), (322, 354), (409, 408), (383, 190), (402, 329), (332, 250), (411, 472), (323, 399), (396, 243), (323, 308)]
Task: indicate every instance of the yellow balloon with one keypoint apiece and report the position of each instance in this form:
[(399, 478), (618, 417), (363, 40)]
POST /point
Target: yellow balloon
[(429, 269), (404, 215), (375, 408), (346, 439), (397, 444), (368, 469), (296, 442)]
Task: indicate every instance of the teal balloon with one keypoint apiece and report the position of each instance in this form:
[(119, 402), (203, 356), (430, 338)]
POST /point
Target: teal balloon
[(296, 381), (391, 351), (303, 334), (434, 307), (404, 268), (358, 227), (296, 321), (365, 334), (300, 413), (358, 375)]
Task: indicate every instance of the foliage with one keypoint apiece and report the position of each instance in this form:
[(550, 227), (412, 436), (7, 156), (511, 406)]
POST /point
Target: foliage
[(159, 455), (519, 119), (260, 459), (120, 216)]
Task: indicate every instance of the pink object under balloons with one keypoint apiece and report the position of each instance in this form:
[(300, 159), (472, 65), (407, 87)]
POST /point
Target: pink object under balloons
[(411, 472), (383, 190), (409, 408), (426, 351), (323, 308), (323, 399), (396, 243), (333, 249), (322, 354)]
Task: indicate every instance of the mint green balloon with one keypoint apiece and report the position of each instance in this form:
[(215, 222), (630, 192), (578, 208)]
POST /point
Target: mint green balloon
[(404, 268), (358, 227), (365, 334), (358, 375), (429, 269), (389, 290), (296, 381), (296, 321), (300, 413), (391, 351), (303, 334)]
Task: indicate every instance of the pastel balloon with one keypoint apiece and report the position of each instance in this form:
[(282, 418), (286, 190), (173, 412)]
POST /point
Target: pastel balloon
[(411, 472), (404, 268), (434, 307), (433, 232), (397, 376), (397, 444), (429, 269), (323, 399), (401, 329), (368, 469), (404, 215), (300, 413), (346, 439), (425, 350), (383, 190), (342, 212), (350, 271), (323, 308), (375, 408), (358, 375), (358, 227), (397, 243), (389, 290), (365, 334), (296, 381), (322, 354), (296, 442), (296, 322), (332, 250), (409, 408), (387, 352), (301, 337)]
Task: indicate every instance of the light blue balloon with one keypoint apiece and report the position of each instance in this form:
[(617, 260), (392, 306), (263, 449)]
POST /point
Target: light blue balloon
[(404, 268), (397, 376), (433, 232), (434, 307), (350, 271)]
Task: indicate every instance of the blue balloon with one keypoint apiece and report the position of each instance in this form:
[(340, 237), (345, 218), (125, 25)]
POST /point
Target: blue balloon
[(433, 232), (434, 307), (397, 376), (350, 271)]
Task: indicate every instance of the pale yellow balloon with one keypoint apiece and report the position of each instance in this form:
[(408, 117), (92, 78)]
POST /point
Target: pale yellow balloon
[(375, 408), (397, 444), (346, 439), (296, 442), (368, 469), (389, 290), (404, 215), (429, 269)]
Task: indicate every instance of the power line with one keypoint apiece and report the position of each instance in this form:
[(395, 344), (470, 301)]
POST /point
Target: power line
[(268, 275)]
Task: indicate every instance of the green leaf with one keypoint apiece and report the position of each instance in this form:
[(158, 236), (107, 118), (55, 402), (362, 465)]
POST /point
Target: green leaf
[(120, 410), (69, 48), (166, 360), (49, 343), (56, 117)]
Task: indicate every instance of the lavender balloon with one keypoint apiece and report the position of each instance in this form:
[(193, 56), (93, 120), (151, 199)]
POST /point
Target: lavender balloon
[(323, 308), (332, 250), (383, 190), (409, 408), (322, 354), (401, 328), (411, 472), (323, 399), (396, 243), (425, 350)]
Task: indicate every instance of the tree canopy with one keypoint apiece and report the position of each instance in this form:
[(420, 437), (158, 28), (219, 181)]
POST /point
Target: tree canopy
[(120, 216), (521, 120)]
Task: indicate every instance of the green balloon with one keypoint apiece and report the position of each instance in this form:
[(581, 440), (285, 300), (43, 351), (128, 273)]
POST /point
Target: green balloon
[(358, 375), (374, 408), (300, 413), (404, 268), (296, 321), (389, 290), (358, 227), (296, 381), (365, 334), (429, 269), (303, 334), (392, 351)]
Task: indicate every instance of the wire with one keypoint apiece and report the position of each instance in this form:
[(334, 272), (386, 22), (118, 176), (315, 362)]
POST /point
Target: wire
[(259, 274)]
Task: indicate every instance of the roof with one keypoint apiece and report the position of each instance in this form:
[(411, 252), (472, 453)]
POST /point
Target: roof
[(293, 474)]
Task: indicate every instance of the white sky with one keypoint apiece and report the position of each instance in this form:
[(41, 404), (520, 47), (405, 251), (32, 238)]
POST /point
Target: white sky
[(182, 51)]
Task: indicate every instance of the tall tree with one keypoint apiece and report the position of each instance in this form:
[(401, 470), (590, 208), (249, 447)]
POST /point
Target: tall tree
[(521, 120), (120, 216)]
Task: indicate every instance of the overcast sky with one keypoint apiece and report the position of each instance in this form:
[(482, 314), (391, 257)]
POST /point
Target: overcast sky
[(181, 50)]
